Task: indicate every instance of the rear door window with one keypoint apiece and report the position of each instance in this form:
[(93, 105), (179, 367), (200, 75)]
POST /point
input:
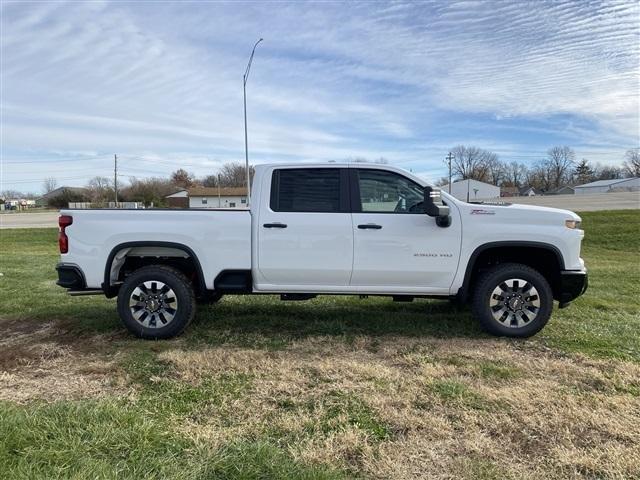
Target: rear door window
[(309, 190)]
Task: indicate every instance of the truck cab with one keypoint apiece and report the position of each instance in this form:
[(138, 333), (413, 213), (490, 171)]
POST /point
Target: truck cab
[(362, 229)]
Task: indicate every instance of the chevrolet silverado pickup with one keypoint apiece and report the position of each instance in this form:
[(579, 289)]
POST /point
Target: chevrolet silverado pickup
[(311, 229)]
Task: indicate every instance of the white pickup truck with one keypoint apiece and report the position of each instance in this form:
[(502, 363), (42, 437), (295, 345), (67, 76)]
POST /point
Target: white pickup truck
[(360, 229)]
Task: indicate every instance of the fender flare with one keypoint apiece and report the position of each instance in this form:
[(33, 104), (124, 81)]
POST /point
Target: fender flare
[(110, 291), (463, 292)]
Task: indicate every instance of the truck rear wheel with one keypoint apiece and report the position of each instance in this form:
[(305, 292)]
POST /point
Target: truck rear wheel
[(512, 300), (156, 302)]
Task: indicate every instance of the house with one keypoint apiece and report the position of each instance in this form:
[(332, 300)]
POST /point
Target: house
[(604, 186), (566, 190), (44, 199), (509, 191), (529, 191), (208, 197), (472, 190)]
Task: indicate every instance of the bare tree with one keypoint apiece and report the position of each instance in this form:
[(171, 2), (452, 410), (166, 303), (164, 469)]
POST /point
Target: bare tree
[(540, 176), (210, 181), (233, 175), (515, 174), (148, 191), (49, 184), (472, 162), (100, 189), (4, 194), (182, 178), (607, 172), (631, 164), (559, 165), (496, 170)]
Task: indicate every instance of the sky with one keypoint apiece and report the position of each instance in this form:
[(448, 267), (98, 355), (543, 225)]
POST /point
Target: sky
[(160, 84)]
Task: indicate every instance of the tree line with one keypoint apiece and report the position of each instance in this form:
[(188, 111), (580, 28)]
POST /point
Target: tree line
[(149, 191), (558, 168)]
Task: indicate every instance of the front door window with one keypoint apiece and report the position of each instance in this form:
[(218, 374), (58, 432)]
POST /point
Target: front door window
[(388, 192)]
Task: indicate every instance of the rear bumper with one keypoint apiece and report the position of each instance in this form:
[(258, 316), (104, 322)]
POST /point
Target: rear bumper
[(573, 283), (70, 276)]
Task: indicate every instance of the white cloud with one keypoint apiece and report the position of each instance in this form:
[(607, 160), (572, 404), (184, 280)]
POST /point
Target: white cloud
[(331, 80)]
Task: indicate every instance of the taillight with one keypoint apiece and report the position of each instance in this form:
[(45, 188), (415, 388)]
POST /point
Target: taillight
[(63, 241)]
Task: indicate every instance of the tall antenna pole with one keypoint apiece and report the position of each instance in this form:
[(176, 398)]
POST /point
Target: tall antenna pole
[(245, 77), (115, 177), (450, 157)]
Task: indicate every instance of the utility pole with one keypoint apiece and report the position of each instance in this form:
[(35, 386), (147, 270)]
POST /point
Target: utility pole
[(115, 177), (450, 157), (219, 199), (245, 77)]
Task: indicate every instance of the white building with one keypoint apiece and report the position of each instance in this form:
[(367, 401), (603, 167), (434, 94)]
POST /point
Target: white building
[(604, 186), (209, 197), (473, 190)]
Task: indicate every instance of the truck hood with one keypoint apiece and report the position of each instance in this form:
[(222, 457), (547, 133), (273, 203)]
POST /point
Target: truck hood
[(531, 213)]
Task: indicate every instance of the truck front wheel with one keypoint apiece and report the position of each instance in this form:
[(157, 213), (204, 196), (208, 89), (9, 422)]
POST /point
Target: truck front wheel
[(156, 302), (512, 300)]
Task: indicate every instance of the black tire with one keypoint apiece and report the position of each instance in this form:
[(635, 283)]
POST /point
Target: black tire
[(153, 322), (515, 305), (209, 298)]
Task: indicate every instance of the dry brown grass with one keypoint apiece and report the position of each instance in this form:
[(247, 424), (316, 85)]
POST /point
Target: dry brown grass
[(40, 361), (450, 408), (383, 407)]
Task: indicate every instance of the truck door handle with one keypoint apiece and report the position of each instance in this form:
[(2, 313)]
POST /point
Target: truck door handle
[(371, 226), (275, 225)]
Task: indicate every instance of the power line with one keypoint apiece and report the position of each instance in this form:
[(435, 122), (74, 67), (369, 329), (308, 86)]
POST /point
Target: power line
[(50, 160), (36, 179)]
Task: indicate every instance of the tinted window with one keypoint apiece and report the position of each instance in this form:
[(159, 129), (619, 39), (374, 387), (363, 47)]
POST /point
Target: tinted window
[(306, 190), (388, 192)]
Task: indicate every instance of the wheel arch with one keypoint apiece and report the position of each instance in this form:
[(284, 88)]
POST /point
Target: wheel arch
[(160, 247), (549, 261)]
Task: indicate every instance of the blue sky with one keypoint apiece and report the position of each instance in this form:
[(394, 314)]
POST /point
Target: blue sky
[(160, 83)]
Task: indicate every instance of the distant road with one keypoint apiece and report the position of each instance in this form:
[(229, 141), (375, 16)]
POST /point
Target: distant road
[(29, 220), (583, 203)]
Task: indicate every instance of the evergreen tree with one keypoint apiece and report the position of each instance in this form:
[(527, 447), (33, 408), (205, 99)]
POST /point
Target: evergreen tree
[(583, 172)]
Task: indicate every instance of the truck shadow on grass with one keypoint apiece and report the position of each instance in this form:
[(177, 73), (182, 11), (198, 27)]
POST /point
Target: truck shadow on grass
[(266, 322)]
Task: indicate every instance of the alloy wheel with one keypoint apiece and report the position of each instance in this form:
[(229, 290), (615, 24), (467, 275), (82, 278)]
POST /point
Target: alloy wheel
[(153, 303), (514, 303)]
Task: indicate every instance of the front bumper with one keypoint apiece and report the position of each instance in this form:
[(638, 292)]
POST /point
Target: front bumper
[(573, 283)]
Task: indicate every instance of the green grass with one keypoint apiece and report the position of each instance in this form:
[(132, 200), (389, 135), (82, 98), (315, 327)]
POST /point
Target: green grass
[(454, 391), (140, 435), (111, 439), (341, 410), (605, 322), (491, 369)]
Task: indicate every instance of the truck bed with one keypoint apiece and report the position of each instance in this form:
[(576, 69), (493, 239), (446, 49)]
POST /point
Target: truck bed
[(220, 239)]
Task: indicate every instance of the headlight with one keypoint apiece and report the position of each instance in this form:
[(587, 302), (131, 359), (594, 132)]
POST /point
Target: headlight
[(572, 223)]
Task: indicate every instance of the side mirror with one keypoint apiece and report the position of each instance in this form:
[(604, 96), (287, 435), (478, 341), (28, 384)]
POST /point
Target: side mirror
[(434, 208)]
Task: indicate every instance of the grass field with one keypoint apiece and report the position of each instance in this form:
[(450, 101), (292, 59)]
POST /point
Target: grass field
[(336, 387)]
